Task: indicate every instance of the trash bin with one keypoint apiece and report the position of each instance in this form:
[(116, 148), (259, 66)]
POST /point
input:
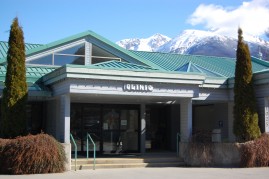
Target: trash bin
[(216, 135)]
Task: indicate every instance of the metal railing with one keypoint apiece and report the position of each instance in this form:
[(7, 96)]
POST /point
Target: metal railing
[(76, 150), (94, 149), (178, 140)]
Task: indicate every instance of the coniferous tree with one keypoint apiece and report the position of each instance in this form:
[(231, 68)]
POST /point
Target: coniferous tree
[(245, 113), (14, 98)]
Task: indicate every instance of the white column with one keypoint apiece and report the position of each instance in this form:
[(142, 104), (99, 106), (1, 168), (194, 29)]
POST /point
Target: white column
[(65, 118), (88, 53), (185, 119), (231, 135), (143, 128)]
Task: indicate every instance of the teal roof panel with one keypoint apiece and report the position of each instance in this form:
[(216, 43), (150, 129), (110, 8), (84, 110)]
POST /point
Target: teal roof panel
[(191, 67), (210, 65), (113, 64), (33, 75), (4, 48)]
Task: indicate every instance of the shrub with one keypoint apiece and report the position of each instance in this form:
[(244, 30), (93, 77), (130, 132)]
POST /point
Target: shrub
[(199, 154), (201, 136), (256, 153), (200, 149), (2, 144), (32, 154)]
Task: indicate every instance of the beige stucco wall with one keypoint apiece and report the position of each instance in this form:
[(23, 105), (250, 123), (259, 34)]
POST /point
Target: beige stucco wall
[(67, 149)]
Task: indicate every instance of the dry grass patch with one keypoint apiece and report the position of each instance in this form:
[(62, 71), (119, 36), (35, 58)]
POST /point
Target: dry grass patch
[(256, 153), (31, 154)]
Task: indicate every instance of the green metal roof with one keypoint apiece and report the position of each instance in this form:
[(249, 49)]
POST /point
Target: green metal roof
[(113, 64), (33, 74), (4, 48), (191, 67), (207, 64), (139, 60), (38, 71)]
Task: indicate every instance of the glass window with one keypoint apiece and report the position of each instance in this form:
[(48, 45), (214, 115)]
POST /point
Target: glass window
[(111, 119), (77, 50), (100, 60), (100, 55), (46, 60), (60, 60), (34, 117)]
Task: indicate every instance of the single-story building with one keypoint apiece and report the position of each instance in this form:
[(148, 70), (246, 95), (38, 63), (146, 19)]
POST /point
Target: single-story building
[(130, 101)]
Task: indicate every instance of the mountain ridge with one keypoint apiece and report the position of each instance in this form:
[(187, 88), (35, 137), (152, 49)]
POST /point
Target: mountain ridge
[(197, 42)]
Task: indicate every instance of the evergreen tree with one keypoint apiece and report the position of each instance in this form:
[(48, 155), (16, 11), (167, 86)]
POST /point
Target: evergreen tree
[(245, 113), (14, 99)]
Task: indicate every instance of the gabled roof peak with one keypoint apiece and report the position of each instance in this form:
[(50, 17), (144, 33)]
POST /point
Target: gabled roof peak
[(192, 67)]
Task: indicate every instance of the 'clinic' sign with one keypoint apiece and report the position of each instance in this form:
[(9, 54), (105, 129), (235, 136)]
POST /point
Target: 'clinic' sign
[(137, 87)]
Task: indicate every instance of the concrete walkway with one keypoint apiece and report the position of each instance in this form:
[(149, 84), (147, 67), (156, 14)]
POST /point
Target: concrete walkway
[(153, 173)]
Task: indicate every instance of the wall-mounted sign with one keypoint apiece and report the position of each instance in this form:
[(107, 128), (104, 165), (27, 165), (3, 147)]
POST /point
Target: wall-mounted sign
[(266, 119), (137, 87)]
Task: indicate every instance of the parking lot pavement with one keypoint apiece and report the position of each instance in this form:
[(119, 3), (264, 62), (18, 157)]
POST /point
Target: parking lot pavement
[(153, 173)]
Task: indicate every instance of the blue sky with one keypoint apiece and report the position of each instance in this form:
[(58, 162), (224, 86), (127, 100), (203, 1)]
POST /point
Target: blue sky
[(44, 21)]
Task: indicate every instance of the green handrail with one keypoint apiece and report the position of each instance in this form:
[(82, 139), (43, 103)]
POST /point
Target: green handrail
[(178, 138), (76, 150), (94, 149)]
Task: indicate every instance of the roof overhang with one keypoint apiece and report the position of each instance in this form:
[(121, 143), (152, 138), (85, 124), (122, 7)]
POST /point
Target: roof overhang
[(259, 78), (91, 72)]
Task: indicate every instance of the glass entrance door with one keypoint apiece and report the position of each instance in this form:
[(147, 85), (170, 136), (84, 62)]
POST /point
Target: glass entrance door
[(111, 133), (91, 124), (114, 128), (129, 130), (120, 130), (86, 119)]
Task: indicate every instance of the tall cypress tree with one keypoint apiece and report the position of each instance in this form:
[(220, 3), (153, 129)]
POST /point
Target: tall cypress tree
[(14, 99), (245, 113)]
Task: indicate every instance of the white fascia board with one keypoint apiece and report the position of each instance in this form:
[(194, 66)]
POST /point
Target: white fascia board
[(213, 86), (54, 50), (136, 79), (122, 75), (215, 83), (132, 75)]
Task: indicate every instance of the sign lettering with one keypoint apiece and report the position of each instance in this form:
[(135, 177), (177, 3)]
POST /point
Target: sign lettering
[(137, 87)]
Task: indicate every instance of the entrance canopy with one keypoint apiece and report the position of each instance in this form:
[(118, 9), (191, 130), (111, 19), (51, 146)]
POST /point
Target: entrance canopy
[(103, 84)]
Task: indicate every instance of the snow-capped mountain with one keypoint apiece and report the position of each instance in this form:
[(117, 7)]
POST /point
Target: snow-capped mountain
[(148, 44), (197, 42), (190, 38)]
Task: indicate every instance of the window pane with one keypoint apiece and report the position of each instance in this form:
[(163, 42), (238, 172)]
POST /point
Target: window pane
[(100, 60), (47, 60), (61, 60), (111, 119), (77, 50), (111, 141)]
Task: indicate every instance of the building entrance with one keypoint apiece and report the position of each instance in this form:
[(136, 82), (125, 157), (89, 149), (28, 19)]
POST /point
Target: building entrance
[(158, 123), (114, 128)]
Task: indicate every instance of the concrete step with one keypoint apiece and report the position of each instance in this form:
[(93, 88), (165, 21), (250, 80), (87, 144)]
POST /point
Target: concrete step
[(128, 162), (127, 165), (125, 160)]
